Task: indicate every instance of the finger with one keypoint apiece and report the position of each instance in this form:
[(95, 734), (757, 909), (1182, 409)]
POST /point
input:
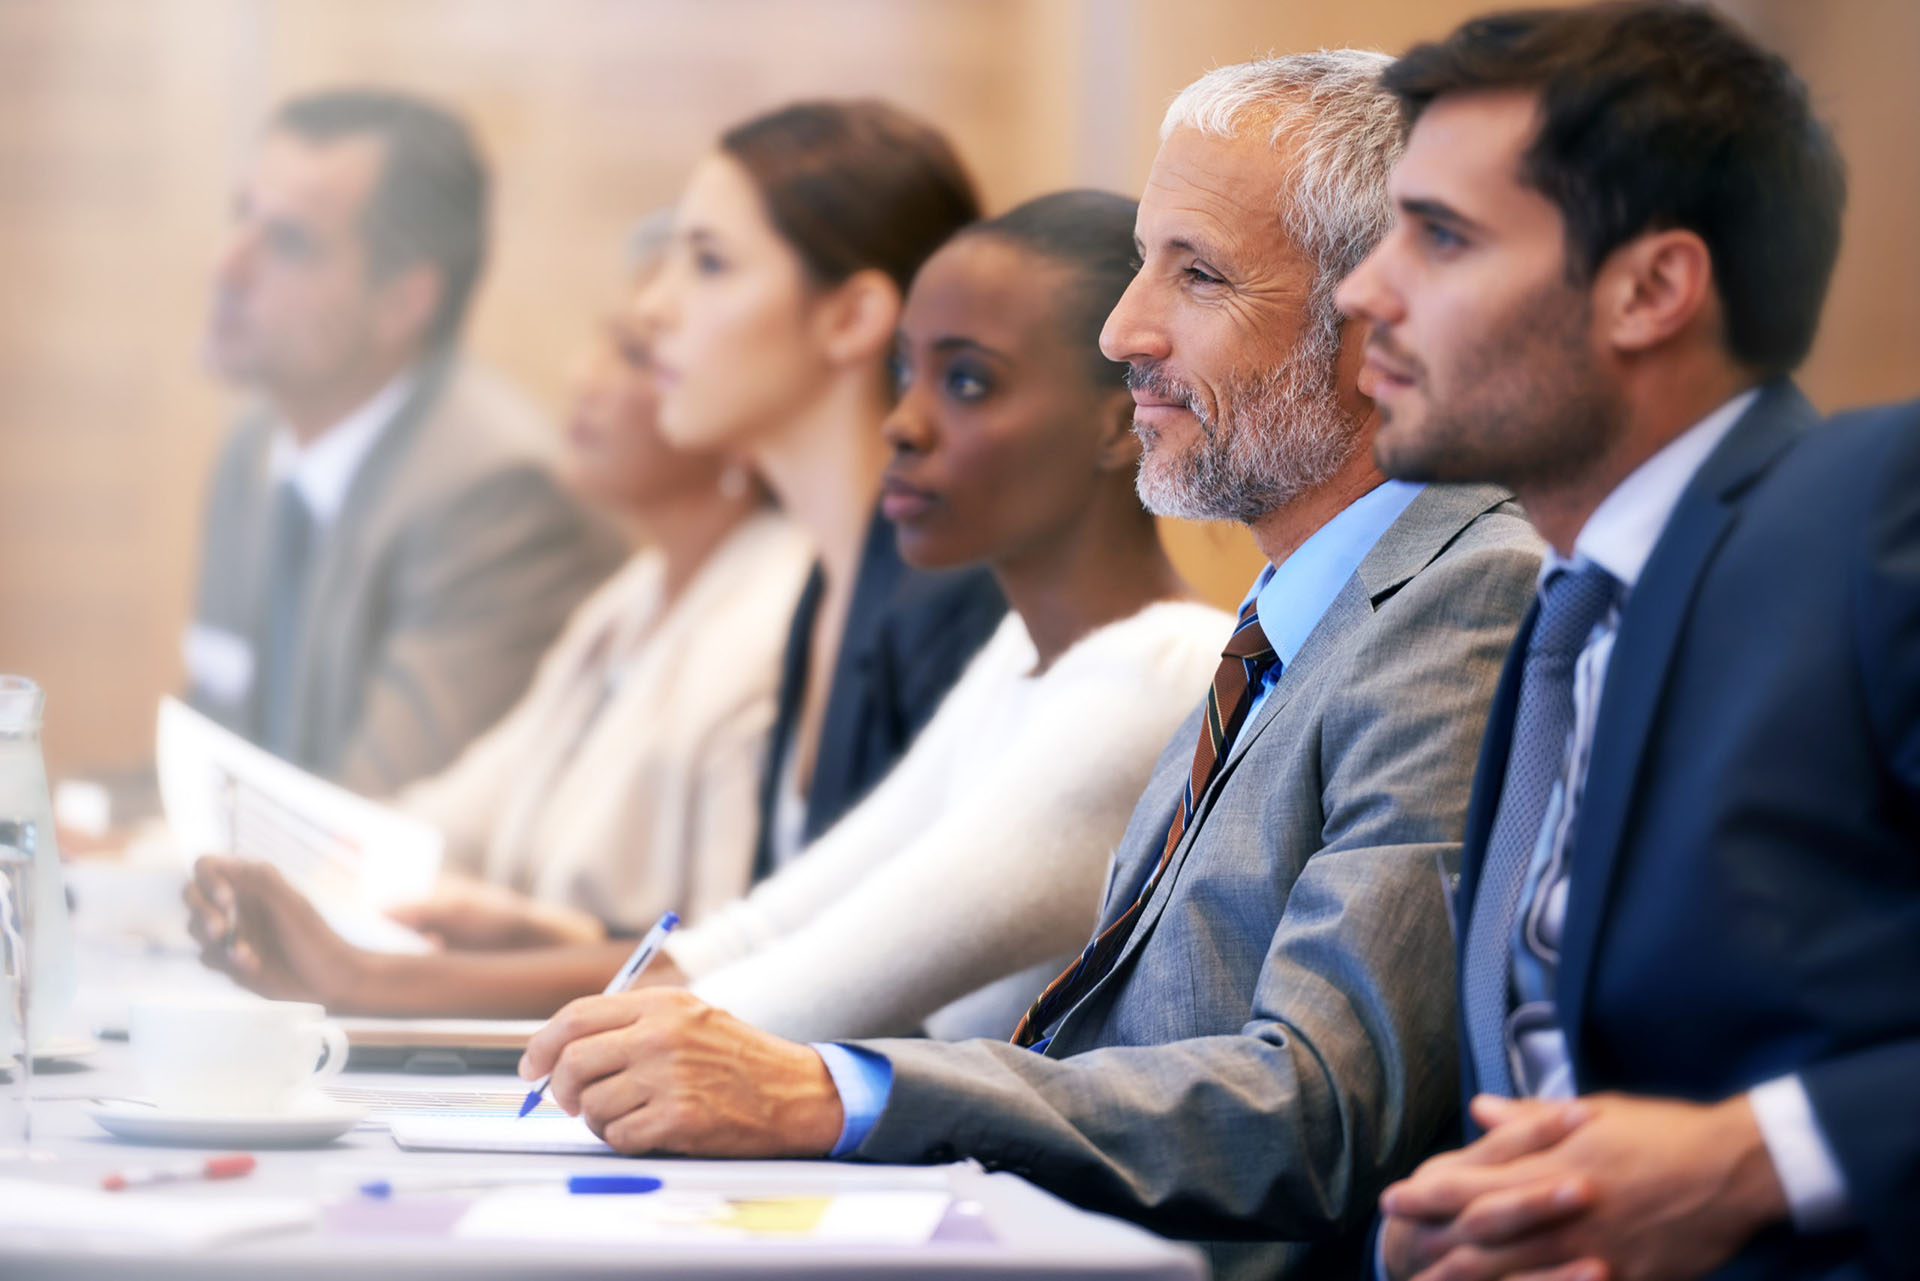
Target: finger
[(1529, 1126), (606, 1100), (1440, 1194), (587, 1016), (243, 962), (1495, 1110), (1578, 1270), (1470, 1262), (1407, 1245), (414, 916), (1507, 1214), (634, 1133), (584, 1062), (205, 922), (216, 955)]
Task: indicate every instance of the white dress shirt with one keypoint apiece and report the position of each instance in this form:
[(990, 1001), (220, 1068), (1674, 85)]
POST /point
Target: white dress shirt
[(1619, 537), (323, 469)]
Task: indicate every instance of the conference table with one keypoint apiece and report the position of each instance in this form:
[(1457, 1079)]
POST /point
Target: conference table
[(995, 1225)]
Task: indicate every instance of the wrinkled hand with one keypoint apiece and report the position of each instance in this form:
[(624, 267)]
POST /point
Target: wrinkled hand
[(253, 926), (1612, 1186), (661, 1071), (479, 916)]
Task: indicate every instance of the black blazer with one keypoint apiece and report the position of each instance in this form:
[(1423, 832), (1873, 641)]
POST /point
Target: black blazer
[(909, 635), (1745, 894)]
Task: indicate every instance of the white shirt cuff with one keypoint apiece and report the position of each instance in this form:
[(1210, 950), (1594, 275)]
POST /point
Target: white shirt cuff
[(1816, 1189)]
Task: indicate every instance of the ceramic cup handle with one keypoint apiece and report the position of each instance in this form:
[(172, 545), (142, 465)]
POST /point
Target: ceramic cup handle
[(334, 1041)]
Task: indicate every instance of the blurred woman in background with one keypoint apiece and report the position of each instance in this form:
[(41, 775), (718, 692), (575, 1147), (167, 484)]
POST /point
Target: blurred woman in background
[(949, 898), (624, 782), (773, 322)]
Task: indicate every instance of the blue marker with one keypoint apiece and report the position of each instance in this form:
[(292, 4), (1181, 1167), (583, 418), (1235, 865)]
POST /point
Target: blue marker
[(621, 982), (577, 1184)]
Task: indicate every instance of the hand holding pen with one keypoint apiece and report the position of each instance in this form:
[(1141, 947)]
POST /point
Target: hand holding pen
[(637, 962)]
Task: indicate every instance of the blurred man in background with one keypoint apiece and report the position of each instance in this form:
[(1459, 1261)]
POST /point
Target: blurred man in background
[(386, 552)]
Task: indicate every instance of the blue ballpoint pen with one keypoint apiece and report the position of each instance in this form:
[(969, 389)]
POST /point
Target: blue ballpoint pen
[(621, 981)]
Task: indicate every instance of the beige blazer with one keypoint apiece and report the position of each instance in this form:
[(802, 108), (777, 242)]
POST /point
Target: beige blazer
[(451, 567), (624, 783)]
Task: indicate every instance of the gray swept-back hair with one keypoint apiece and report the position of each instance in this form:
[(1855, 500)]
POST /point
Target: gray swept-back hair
[(1272, 435), (1347, 133)]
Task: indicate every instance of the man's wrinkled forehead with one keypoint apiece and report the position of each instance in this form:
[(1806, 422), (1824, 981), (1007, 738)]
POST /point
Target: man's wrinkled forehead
[(1218, 197)]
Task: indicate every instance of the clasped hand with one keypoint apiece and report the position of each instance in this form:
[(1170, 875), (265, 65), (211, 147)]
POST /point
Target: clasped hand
[(1603, 1188)]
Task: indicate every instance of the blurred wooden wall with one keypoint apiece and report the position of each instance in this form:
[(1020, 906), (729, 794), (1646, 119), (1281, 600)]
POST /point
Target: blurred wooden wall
[(123, 122)]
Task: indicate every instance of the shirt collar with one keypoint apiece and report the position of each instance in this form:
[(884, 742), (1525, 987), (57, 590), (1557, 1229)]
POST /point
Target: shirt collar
[(323, 470), (1295, 594), (1620, 535)]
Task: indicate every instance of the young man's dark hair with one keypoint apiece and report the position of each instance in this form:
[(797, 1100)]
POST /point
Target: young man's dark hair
[(1657, 114), (430, 203)]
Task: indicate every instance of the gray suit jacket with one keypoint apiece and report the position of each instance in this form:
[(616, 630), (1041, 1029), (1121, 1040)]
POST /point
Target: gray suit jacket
[(1276, 1040), (452, 565)]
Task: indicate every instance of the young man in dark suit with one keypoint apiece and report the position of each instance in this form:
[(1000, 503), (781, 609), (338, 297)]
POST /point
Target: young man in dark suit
[(1690, 898)]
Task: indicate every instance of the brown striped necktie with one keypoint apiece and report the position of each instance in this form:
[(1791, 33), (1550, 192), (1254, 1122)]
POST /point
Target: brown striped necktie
[(1243, 665)]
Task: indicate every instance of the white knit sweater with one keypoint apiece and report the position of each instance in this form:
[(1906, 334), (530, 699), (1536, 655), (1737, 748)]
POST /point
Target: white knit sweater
[(973, 873)]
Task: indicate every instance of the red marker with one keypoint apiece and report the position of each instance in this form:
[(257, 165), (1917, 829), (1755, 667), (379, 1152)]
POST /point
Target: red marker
[(219, 1167)]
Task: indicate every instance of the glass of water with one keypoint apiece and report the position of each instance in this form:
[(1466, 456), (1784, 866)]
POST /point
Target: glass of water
[(24, 822), (16, 993)]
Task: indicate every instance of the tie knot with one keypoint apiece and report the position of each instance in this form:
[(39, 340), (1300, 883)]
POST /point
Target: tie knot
[(1248, 642), (1572, 601)]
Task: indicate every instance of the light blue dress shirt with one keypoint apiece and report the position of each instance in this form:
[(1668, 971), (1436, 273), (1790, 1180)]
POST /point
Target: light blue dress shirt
[(1292, 598)]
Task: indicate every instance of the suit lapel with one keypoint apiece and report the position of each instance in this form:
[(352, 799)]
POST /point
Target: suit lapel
[(1643, 653), (339, 559), (1490, 771), (1411, 543)]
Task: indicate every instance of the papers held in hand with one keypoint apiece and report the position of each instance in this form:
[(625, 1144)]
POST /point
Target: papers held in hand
[(352, 858)]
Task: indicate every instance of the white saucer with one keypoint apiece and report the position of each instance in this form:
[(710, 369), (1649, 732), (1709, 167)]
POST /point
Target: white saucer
[(65, 1049), (315, 1121)]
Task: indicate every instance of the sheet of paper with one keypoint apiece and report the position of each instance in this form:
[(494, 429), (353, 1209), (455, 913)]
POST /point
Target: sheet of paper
[(564, 1135), (59, 1215), (389, 1103), (905, 1217), (351, 857)]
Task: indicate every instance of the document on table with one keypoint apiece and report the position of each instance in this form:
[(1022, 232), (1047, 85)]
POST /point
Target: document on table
[(902, 1217), (559, 1135), (353, 858), (32, 1212), (388, 1103)]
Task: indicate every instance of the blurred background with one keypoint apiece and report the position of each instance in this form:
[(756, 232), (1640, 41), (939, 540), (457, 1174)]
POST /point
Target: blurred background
[(124, 122)]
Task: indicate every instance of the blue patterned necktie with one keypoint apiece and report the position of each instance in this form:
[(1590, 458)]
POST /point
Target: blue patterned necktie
[(1572, 602)]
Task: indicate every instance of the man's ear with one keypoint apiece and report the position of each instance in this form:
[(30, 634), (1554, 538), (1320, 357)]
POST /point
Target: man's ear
[(857, 319), (1653, 288), (1119, 447), (405, 304)]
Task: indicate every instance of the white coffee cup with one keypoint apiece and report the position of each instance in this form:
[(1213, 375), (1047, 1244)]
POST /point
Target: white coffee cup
[(232, 1056)]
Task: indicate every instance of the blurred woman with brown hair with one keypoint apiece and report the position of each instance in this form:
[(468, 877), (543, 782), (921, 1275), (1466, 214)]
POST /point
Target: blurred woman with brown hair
[(772, 324)]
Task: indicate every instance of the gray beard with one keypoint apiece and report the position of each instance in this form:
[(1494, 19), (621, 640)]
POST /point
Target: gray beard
[(1279, 435)]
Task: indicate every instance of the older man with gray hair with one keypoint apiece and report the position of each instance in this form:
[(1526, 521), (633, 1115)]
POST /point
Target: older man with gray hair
[(1260, 1034)]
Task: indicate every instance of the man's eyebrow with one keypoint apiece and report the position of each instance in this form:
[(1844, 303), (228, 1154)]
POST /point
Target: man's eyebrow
[(1436, 211), (960, 342)]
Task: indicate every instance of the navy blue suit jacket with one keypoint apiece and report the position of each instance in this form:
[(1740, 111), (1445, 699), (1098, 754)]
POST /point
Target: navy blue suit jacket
[(1745, 894)]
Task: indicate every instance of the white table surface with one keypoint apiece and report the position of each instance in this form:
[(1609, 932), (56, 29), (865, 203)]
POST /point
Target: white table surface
[(1000, 1226)]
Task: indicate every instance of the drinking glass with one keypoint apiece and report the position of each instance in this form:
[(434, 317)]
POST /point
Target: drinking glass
[(36, 971)]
